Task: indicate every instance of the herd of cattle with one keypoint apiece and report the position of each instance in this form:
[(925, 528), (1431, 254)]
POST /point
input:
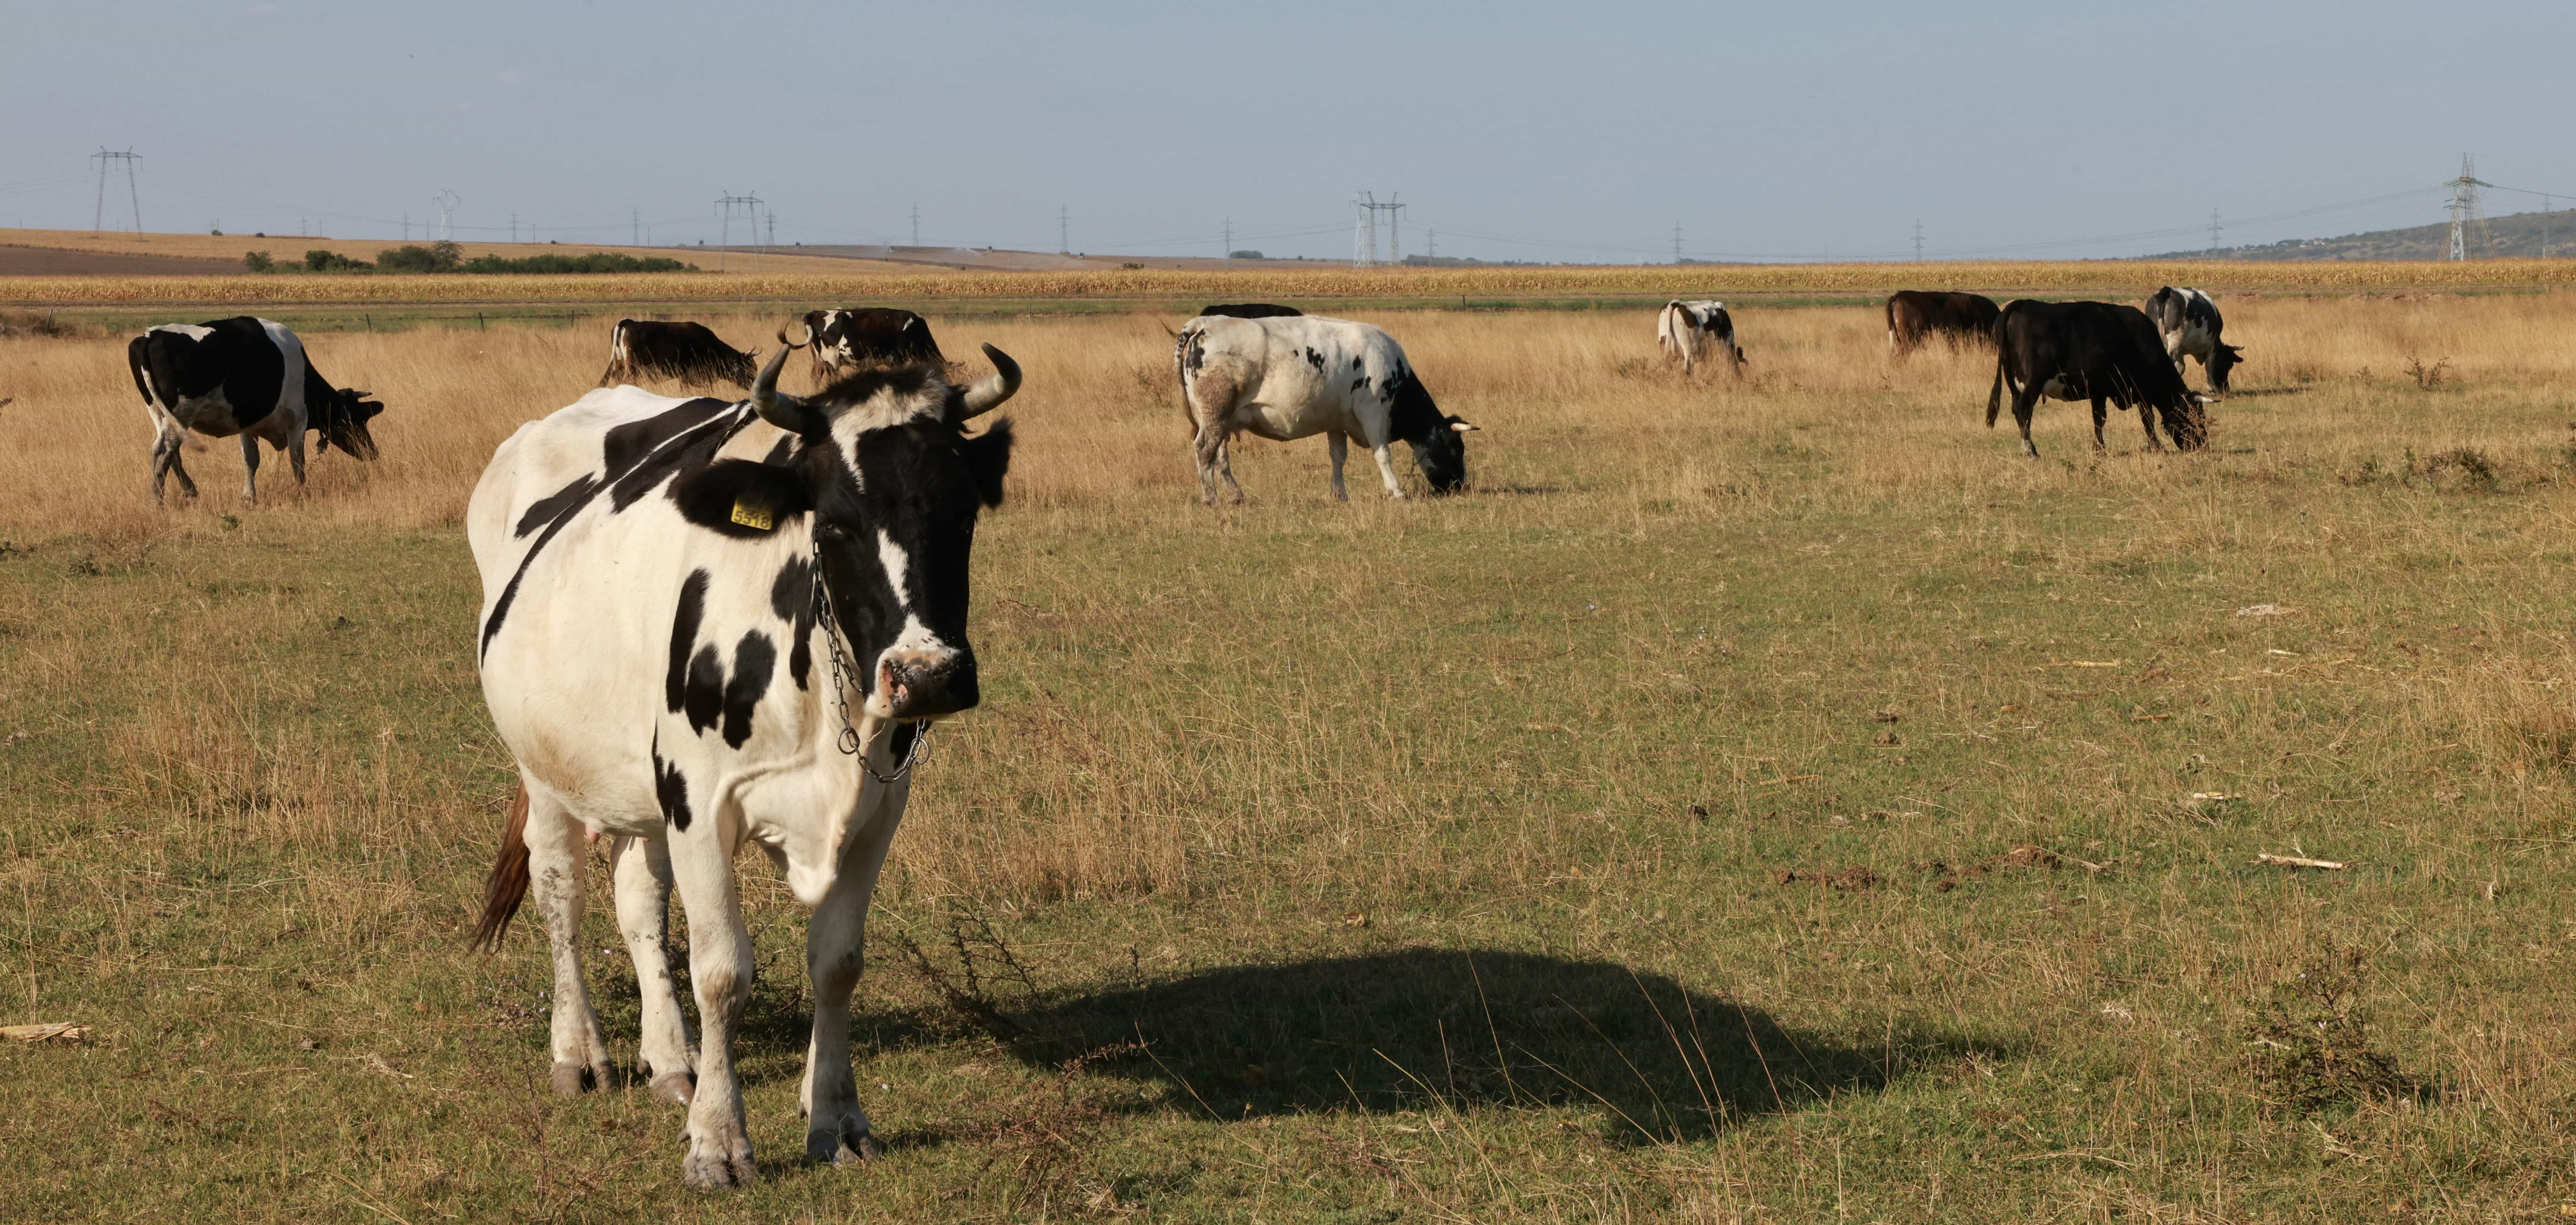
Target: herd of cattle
[(710, 622)]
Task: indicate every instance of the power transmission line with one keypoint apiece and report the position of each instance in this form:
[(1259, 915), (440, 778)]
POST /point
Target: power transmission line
[(99, 218), (2464, 206), (916, 223), (2213, 231), (1918, 241), (1364, 234), (1677, 243), (446, 202), (1063, 245)]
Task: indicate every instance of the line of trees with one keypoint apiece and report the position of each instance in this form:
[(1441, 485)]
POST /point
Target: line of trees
[(448, 257)]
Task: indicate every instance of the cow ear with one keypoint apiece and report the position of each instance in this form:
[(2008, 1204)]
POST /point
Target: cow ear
[(740, 498), (988, 460)]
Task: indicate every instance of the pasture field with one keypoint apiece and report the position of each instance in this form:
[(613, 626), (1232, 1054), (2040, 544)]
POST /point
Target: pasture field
[(1760, 802), (806, 280)]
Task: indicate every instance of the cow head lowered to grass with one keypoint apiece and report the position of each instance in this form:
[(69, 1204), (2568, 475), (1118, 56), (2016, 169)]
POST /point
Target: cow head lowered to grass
[(710, 623)]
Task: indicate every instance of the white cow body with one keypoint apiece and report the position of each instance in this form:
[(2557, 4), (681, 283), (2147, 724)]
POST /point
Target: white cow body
[(660, 673), (1690, 330), (1290, 377)]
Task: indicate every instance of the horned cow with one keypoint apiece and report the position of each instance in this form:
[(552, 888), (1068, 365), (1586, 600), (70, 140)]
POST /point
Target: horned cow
[(708, 623)]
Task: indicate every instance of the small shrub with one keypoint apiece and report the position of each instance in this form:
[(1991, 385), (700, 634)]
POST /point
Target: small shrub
[(2463, 468), (2312, 1039), (2426, 377), (258, 261), (319, 260), (29, 323)]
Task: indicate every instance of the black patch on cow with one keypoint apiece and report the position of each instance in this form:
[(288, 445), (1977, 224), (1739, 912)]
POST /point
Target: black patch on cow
[(755, 658), (1252, 310), (638, 456), (558, 504), (237, 356), (988, 460), (670, 789), (711, 496), (684, 634), (1360, 384), (1314, 359), (791, 596), (779, 450)]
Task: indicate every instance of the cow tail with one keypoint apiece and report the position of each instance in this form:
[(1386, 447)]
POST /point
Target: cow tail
[(508, 884), (1995, 398)]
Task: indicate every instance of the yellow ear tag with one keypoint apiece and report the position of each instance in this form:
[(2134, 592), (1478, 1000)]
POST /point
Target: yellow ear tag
[(750, 515)]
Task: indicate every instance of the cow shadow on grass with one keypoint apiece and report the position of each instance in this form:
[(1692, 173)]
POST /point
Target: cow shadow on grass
[(1440, 1029)]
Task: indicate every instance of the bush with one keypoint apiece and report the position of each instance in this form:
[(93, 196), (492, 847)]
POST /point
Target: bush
[(258, 261), (2312, 1040), (436, 257), (319, 260), (604, 261)]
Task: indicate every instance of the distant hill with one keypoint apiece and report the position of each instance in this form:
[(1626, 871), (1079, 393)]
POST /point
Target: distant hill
[(2516, 236)]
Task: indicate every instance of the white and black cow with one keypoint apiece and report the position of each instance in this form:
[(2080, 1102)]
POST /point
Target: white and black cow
[(1689, 330), (1290, 377), (2188, 321), (2097, 351), (869, 335), (670, 587), (247, 377)]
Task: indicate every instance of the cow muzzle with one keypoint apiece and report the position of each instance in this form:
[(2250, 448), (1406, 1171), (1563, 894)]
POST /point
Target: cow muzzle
[(923, 684)]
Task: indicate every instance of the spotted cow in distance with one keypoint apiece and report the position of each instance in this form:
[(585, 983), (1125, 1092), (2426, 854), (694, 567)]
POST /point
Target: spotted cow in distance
[(1691, 330), (2096, 351), (690, 354), (241, 377), (1917, 315), (2189, 323), (707, 623), (1295, 376), (852, 336)]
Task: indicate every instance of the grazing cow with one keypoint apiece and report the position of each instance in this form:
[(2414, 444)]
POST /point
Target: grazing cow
[(2091, 351), (1289, 377), (1252, 310), (2189, 323), (1688, 330), (1917, 315), (769, 599), (869, 335), (688, 353), (242, 376)]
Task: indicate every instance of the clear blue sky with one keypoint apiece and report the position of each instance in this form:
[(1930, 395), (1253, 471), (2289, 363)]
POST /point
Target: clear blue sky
[(1533, 131)]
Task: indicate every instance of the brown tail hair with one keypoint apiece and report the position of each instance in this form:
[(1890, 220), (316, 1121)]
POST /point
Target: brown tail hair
[(508, 884)]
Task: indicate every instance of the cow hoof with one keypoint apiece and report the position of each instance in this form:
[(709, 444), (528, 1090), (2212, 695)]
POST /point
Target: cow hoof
[(830, 1146), (718, 1165), (573, 1079), (674, 1088)]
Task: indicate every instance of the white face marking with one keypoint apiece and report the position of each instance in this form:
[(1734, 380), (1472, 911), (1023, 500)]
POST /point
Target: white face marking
[(898, 566)]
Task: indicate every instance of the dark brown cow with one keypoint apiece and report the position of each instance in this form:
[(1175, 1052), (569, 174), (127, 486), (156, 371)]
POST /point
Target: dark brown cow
[(689, 353), (2097, 351), (857, 336), (1251, 310), (1917, 315)]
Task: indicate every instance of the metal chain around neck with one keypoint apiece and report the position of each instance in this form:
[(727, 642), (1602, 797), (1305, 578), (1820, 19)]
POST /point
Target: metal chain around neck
[(844, 672)]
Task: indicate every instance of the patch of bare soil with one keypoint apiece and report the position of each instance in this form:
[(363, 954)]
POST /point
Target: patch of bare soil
[(47, 261)]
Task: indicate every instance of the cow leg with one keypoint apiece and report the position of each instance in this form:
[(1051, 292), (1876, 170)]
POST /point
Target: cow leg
[(2024, 401), (165, 459), (556, 850), (836, 1129), (720, 964), (1386, 470), (1209, 450), (295, 457), (1225, 465), (1339, 444), (250, 469), (641, 870), (2147, 422), (2097, 424)]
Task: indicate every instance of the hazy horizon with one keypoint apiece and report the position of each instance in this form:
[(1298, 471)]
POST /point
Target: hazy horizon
[(1512, 131)]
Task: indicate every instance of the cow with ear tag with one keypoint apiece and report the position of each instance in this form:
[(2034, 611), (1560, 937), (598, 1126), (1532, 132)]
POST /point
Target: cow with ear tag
[(710, 623)]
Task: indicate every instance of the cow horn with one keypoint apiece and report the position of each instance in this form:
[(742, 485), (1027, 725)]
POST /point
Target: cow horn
[(988, 395), (797, 344), (774, 406)]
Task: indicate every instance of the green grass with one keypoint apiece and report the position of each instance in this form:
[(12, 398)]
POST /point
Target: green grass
[(1451, 861)]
